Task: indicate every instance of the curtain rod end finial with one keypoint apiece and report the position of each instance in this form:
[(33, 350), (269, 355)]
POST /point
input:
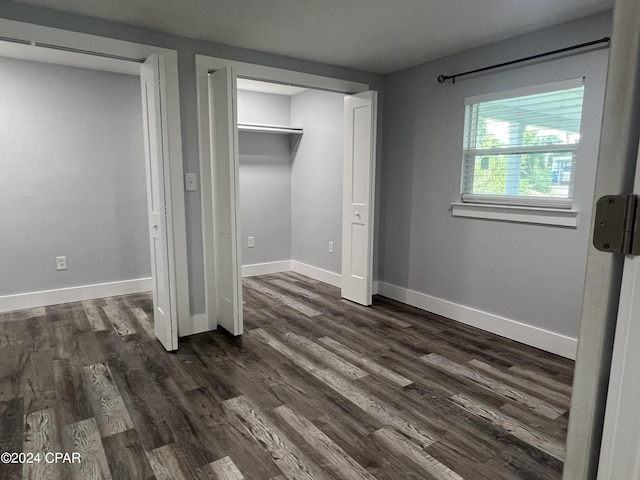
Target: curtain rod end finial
[(442, 79)]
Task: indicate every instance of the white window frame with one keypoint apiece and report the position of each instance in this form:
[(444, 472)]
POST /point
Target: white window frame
[(525, 209)]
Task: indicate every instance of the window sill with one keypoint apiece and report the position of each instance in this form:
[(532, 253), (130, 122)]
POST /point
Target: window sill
[(517, 214)]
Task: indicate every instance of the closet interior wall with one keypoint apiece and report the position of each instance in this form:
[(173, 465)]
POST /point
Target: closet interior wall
[(265, 179), (291, 191)]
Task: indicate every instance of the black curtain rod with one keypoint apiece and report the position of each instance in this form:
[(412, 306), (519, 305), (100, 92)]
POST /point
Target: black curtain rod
[(444, 78)]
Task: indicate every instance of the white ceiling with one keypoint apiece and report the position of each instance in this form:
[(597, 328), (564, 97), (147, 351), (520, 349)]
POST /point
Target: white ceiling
[(379, 36)]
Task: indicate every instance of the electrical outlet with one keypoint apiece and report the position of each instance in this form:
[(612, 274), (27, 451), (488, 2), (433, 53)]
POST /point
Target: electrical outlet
[(61, 263), (251, 242), (330, 247)]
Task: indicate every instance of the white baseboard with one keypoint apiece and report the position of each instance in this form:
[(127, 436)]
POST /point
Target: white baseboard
[(529, 335), (316, 273), (73, 294), (266, 268)]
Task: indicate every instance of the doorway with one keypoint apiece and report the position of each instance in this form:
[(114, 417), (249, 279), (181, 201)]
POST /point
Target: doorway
[(290, 148), (157, 130), (218, 119)]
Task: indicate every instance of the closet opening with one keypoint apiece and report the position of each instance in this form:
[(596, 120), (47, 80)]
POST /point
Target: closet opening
[(84, 163), (325, 195), (290, 152)]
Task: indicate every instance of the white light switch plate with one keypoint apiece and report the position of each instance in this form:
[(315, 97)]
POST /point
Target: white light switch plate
[(191, 182)]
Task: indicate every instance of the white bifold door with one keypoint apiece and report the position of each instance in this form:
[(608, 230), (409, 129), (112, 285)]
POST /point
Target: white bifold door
[(620, 454), (358, 199), (154, 124), (224, 149)]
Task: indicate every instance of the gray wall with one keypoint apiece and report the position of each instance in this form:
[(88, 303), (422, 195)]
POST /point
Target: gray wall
[(530, 273), (316, 179), (258, 107), (72, 179), (265, 179), (186, 48)]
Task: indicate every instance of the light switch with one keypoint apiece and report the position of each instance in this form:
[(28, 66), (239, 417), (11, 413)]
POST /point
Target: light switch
[(191, 182)]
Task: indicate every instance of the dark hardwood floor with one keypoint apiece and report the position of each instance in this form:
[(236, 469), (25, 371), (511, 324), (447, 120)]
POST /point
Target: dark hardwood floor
[(317, 388)]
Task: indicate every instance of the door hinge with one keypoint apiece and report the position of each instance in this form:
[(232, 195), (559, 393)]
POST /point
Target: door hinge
[(616, 224)]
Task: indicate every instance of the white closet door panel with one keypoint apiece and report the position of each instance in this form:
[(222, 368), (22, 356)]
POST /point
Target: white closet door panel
[(165, 323), (224, 148), (357, 216)]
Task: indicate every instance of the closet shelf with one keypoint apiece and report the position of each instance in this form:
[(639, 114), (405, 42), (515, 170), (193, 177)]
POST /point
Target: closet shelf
[(265, 128)]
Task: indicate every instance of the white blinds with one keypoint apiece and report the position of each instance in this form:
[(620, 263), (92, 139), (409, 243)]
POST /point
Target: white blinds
[(522, 147)]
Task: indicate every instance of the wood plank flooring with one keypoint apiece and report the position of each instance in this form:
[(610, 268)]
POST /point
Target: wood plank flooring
[(317, 388)]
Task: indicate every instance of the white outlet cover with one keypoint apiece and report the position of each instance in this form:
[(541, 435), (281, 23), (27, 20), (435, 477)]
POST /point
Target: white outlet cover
[(61, 263)]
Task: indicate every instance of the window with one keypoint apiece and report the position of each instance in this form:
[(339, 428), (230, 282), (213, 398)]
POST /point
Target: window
[(520, 147)]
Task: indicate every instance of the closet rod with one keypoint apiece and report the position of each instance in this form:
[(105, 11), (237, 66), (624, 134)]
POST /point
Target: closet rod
[(87, 52), (444, 78)]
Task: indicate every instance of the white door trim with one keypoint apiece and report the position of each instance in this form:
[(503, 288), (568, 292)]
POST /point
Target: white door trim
[(204, 65), (615, 173), (119, 56), (621, 430)]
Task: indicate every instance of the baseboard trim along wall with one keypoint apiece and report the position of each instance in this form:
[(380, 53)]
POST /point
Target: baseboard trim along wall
[(310, 271), (521, 332), (529, 335), (316, 273), (266, 268), (73, 294)]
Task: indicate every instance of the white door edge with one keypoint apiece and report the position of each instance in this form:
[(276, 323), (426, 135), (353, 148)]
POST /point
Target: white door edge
[(620, 450), (358, 212), (160, 233), (224, 180)]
